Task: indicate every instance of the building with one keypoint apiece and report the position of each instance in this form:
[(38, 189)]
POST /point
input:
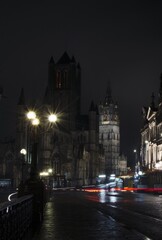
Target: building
[(67, 151), (151, 134), (76, 148), (8, 163), (109, 133)]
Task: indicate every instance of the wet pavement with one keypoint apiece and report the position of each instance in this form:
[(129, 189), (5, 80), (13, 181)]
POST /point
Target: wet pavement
[(68, 216)]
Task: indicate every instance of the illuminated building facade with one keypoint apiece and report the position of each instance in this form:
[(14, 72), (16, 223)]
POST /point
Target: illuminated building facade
[(151, 134), (109, 133)]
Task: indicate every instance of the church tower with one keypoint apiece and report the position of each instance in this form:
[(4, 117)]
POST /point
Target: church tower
[(64, 82), (109, 133)]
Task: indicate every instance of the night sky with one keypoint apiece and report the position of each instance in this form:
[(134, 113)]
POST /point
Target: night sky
[(114, 41)]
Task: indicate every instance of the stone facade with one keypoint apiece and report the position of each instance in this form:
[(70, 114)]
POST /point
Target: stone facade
[(109, 133), (76, 148), (70, 147), (151, 134)]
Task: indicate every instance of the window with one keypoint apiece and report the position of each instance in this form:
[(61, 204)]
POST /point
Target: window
[(102, 136), (65, 79), (58, 80)]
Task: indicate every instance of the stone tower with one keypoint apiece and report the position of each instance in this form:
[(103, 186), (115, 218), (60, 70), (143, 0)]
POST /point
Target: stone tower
[(64, 82), (93, 141), (109, 133)]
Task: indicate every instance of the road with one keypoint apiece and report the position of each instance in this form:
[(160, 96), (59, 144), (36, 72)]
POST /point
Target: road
[(101, 215), (139, 211)]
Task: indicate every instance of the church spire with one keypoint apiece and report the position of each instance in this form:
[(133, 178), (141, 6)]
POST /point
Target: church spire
[(21, 100), (46, 97), (51, 60), (152, 101), (92, 106), (108, 98), (160, 90)]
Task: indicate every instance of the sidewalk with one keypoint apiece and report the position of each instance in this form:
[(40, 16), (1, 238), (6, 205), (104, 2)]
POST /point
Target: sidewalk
[(68, 217)]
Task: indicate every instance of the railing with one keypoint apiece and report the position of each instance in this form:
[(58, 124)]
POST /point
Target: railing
[(16, 218)]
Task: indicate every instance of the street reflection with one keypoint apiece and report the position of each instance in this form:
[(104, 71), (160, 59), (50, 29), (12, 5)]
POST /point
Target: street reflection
[(102, 196), (113, 199), (105, 197), (93, 198)]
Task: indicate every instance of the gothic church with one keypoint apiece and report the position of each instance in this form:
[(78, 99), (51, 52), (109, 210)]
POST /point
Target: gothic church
[(77, 147)]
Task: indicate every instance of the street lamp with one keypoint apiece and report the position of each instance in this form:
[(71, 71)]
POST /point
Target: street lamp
[(31, 115), (135, 152), (23, 153), (34, 185), (52, 118), (35, 122)]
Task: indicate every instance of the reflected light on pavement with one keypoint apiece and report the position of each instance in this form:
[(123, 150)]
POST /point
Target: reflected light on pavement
[(113, 199), (102, 196)]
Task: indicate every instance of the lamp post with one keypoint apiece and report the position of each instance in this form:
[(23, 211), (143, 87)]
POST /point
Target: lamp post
[(35, 122), (136, 164), (23, 153), (34, 185)]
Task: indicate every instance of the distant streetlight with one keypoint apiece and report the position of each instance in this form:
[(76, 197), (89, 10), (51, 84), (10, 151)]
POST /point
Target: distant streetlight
[(136, 165), (46, 173), (50, 170)]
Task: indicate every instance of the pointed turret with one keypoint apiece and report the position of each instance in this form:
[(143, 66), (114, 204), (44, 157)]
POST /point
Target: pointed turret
[(51, 60), (96, 109), (160, 90), (73, 59), (46, 100), (152, 102), (78, 65), (21, 100), (65, 59), (92, 107), (108, 98), (51, 73)]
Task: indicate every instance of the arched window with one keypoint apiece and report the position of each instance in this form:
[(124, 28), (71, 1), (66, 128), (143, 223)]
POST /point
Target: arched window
[(65, 79), (102, 136), (58, 80), (108, 136)]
